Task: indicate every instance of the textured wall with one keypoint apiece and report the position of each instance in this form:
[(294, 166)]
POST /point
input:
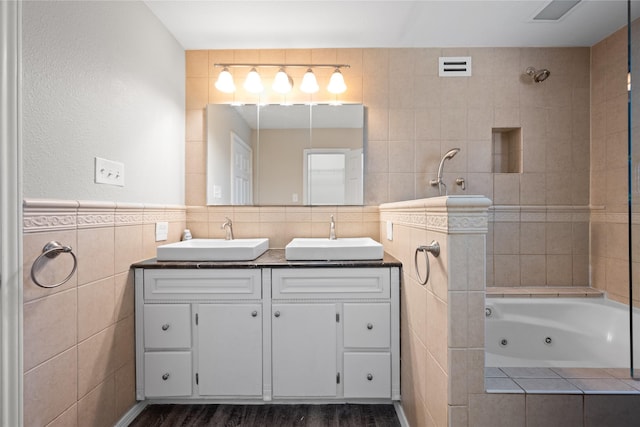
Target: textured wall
[(101, 79)]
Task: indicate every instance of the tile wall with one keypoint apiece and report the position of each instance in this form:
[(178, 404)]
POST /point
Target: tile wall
[(609, 127), (539, 229), (79, 360), (442, 321)]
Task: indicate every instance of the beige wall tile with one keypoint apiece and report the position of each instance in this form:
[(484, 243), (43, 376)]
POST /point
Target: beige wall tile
[(96, 360), (97, 408), (124, 295), (125, 383), (49, 327), (605, 410), (96, 254), (437, 392), (197, 93), (128, 247), (497, 410), (50, 389), (195, 126), (68, 418), (96, 307), (437, 330), (554, 410)]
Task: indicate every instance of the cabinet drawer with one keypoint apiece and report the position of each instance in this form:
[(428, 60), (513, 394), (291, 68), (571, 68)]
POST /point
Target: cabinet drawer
[(367, 325), (167, 373), (367, 375), (331, 283), (167, 326), (202, 284)]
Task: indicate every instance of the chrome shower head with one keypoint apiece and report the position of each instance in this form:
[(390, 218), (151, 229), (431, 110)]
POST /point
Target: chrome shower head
[(538, 75)]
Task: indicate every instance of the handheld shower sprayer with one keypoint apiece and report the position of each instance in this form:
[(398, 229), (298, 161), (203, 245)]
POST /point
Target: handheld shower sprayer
[(438, 181)]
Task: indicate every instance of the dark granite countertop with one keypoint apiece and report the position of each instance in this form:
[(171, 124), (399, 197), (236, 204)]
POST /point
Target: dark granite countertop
[(272, 258)]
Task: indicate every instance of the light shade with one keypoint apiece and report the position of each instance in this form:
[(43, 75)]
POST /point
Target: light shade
[(225, 82), (282, 83), (253, 83), (309, 83), (336, 83)]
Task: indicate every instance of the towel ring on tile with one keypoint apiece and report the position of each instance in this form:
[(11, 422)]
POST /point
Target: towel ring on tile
[(434, 248), (52, 250)]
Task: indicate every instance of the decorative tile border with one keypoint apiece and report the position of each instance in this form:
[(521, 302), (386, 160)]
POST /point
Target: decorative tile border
[(452, 214), (41, 215)]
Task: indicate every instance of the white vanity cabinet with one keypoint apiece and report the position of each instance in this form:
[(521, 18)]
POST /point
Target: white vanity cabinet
[(199, 333), (335, 333), (268, 333)]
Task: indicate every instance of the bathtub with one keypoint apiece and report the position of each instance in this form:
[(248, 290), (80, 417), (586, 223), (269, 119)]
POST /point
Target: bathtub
[(559, 332)]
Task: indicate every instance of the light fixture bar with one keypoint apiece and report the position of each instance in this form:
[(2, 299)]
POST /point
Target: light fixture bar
[(283, 83), (252, 65)]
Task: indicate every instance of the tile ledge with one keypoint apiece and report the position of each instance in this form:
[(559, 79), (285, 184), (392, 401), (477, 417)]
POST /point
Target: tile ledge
[(543, 291)]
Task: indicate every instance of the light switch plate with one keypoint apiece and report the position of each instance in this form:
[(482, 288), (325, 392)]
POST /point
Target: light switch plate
[(162, 231), (109, 172), (389, 230)]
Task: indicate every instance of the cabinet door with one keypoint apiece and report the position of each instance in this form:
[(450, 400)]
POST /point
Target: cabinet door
[(304, 350), (230, 349)]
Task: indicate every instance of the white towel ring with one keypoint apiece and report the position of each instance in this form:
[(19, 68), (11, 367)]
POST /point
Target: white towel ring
[(52, 250), (434, 248)]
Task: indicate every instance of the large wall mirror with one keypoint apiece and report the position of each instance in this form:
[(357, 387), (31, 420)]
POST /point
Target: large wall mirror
[(285, 154)]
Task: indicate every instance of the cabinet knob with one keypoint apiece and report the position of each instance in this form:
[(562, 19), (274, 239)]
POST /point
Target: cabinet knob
[(369, 377), (254, 313), (165, 376), (165, 326), (277, 314), (369, 326)]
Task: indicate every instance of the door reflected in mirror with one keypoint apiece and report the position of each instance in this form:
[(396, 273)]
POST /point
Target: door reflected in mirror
[(285, 154)]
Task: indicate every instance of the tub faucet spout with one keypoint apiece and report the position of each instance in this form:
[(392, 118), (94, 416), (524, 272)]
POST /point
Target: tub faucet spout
[(438, 181), (227, 226)]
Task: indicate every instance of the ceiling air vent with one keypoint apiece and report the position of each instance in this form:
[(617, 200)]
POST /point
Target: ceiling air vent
[(455, 66)]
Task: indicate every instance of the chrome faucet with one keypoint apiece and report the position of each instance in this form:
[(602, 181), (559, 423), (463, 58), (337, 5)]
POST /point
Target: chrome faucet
[(332, 229), (438, 181), (227, 226)]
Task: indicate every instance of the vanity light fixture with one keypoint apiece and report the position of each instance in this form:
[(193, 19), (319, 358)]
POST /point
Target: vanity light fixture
[(336, 82), (253, 83), (283, 83), (309, 83), (225, 81)]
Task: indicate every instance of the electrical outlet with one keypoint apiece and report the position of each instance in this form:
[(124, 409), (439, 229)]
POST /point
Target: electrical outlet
[(109, 172)]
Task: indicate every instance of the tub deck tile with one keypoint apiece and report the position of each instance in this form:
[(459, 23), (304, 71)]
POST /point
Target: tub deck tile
[(535, 373), (547, 386), (502, 385), (494, 373), (542, 291), (582, 373), (603, 386)]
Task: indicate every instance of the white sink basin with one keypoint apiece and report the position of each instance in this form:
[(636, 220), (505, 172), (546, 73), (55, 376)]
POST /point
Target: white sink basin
[(320, 249), (213, 250)]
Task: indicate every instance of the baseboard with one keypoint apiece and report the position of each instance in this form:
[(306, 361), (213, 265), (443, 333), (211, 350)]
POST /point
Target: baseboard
[(400, 413), (131, 414)]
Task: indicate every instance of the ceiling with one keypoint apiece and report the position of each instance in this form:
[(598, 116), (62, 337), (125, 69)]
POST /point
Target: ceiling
[(266, 24)]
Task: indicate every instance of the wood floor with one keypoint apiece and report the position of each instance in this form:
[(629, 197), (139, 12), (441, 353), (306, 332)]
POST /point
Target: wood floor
[(342, 415)]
